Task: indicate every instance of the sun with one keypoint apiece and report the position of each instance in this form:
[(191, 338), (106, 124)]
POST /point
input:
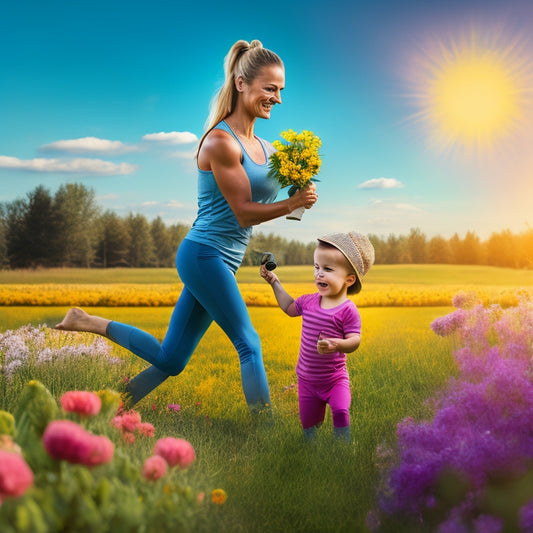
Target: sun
[(471, 95), (474, 99)]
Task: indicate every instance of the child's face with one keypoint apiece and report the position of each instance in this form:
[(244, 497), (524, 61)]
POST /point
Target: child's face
[(333, 275)]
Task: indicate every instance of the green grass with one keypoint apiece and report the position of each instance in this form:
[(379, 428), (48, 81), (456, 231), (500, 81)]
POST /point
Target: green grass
[(274, 480), (449, 275), (89, 275), (391, 274)]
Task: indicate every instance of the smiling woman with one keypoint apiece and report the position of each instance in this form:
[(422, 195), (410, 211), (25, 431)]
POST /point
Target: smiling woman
[(473, 94), (235, 192)]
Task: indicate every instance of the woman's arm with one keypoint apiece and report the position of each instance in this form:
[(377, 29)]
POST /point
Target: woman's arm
[(221, 154)]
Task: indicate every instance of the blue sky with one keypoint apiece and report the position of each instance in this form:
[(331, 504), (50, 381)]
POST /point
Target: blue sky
[(113, 95)]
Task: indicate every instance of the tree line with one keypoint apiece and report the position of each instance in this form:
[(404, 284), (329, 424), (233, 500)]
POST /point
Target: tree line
[(501, 249), (69, 229)]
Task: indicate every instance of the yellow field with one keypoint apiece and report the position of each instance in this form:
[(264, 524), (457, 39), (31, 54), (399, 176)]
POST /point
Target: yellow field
[(392, 340), (384, 286), (254, 294)]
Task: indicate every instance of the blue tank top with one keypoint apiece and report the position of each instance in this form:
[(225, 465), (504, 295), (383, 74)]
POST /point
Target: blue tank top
[(215, 223)]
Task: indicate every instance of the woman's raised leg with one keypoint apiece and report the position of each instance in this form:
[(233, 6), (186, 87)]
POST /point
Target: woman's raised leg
[(77, 319)]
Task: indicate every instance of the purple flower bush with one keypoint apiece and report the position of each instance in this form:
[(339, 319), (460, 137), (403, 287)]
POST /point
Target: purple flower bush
[(471, 467)]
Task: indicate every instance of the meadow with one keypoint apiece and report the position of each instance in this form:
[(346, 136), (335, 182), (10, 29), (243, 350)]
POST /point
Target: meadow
[(275, 481), (385, 286)]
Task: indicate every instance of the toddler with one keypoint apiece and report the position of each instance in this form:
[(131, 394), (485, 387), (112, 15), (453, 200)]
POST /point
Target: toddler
[(331, 328)]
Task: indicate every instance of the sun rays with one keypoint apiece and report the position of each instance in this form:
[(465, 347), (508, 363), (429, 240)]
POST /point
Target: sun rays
[(471, 95)]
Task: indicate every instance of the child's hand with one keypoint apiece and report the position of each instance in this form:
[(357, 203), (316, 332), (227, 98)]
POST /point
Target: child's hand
[(326, 346), (268, 275)]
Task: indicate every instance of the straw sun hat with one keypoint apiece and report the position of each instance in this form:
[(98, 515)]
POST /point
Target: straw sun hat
[(357, 249)]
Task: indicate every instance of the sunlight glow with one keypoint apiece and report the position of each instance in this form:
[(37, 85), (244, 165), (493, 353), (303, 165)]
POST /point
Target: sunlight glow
[(472, 95)]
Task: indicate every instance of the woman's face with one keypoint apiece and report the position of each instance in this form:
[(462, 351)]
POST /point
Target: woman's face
[(263, 92)]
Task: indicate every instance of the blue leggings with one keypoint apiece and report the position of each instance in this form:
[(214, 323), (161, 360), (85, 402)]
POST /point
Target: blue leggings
[(210, 293)]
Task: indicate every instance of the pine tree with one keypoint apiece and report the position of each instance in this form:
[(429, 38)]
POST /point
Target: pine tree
[(113, 241), (77, 215), (141, 248)]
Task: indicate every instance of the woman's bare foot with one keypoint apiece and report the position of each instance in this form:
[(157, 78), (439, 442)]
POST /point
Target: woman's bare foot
[(77, 319)]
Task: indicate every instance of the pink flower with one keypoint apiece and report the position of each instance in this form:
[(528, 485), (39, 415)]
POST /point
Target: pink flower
[(128, 437), (174, 407), (15, 475), (66, 440), (154, 468), (130, 423), (116, 421), (146, 429), (175, 451), (130, 420), (102, 451), (84, 403)]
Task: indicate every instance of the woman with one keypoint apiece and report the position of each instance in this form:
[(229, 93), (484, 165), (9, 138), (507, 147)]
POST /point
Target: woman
[(234, 193)]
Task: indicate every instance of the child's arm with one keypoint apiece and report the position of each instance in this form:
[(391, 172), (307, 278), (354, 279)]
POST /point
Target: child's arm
[(347, 345), (284, 299)]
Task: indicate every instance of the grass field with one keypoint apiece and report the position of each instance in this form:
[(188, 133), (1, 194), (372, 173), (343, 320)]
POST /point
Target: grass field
[(275, 481), (454, 275)]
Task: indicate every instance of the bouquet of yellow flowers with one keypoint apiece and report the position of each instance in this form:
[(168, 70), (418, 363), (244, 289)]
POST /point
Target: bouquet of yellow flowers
[(296, 162)]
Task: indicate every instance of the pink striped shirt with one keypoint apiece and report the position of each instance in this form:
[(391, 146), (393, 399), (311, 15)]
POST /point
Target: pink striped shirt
[(332, 323)]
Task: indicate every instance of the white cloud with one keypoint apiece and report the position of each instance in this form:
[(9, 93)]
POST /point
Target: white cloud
[(381, 183), (150, 203), (74, 166), (87, 145), (175, 204), (172, 137), (406, 207)]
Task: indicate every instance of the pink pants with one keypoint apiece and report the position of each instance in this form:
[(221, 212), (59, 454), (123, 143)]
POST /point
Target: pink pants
[(314, 397)]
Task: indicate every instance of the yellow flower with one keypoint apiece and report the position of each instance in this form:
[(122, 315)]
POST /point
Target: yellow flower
[(7, 424), (110, 400), (219, 496), (296, 162)]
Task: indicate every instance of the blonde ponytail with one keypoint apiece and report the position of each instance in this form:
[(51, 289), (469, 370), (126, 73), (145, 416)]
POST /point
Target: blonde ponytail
[(243, 59)]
